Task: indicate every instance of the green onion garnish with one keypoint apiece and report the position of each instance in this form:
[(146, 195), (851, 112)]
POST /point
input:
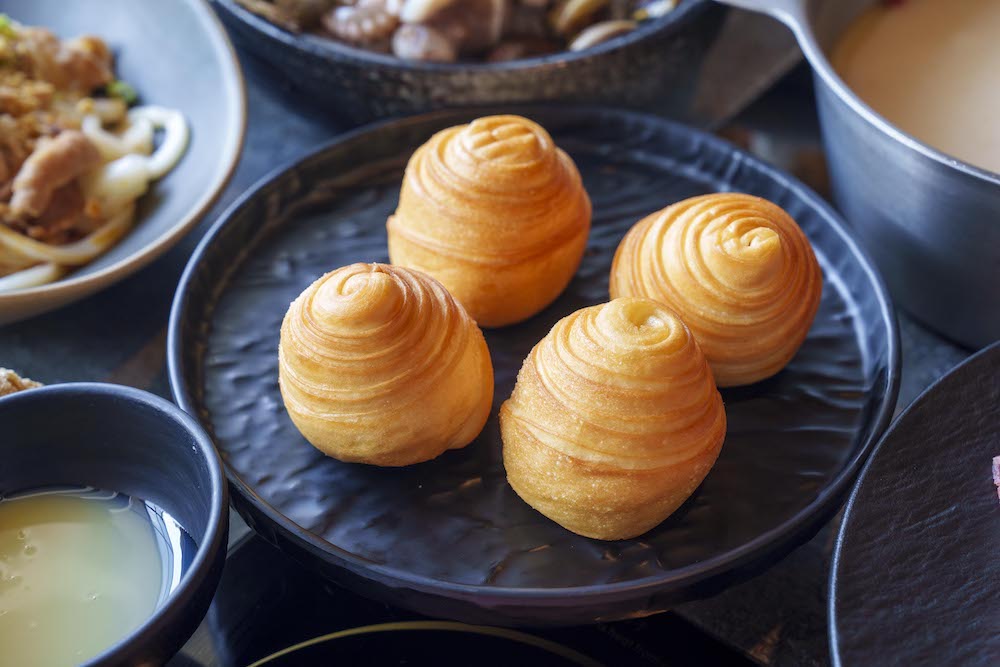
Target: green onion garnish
[(122, 91), (7, 27)]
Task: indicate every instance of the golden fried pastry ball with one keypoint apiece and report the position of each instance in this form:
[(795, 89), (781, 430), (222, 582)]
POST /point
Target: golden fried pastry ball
[(497, 213), (379, 364), (739, 272), (614, 421)]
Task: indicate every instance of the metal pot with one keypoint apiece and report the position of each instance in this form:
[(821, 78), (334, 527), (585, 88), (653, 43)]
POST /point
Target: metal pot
[(931, 222)]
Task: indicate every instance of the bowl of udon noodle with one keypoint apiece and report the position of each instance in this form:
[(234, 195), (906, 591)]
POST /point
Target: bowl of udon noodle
[(118, 129)]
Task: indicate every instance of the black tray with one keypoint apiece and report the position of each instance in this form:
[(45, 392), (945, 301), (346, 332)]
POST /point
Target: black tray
[(449, 537), (916, 571)]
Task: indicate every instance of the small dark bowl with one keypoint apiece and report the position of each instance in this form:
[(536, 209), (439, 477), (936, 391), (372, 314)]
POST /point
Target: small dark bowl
[(653, 68), (126, 440)]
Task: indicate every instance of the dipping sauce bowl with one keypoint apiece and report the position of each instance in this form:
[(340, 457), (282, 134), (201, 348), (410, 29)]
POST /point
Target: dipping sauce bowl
[(125, 440)]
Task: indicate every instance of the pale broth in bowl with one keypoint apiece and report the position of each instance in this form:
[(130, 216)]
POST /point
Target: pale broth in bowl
[(932, 69), (80, 569)]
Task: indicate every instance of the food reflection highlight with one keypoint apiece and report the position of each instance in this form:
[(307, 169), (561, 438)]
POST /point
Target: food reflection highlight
[(73, 158), (379, 364), (79, 570), (614, 420)]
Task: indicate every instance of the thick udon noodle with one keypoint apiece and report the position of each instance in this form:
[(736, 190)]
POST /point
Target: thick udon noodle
[(129, 164)]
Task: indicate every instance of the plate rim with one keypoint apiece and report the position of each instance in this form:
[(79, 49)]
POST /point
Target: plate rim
[(75, 287), (551, 647), (673, 579), (838, 546)]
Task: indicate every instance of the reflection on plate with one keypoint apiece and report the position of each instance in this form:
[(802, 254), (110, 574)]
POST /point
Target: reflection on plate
[(449, 537)]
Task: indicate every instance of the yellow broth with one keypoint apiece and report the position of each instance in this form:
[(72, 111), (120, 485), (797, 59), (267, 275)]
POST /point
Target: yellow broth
[(932, 69), (78, 572)]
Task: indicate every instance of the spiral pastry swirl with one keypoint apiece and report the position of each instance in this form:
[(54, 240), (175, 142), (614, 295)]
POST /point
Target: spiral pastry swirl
[(379, 364), (739, 272), (497, 213), (614, 421)]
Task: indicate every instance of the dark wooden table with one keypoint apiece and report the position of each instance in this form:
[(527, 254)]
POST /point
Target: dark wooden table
[(778, 618)]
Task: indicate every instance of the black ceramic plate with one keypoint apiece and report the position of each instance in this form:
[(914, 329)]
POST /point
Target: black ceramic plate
[(449, 537), (916, 572)]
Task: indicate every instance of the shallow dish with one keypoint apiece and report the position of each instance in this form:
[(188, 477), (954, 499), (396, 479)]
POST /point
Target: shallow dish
[(129, 441), (176, 55), (654, 67), (914, 578), (449, 537)]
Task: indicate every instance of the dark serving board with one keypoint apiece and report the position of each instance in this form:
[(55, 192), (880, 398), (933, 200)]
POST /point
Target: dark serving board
[(449, 537), (916, 572)]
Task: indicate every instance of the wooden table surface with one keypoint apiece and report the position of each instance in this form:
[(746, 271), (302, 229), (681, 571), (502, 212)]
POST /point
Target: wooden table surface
[(119, 335)]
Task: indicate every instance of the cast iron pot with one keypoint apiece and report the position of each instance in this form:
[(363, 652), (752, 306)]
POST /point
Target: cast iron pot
[(930, 221), (122, 439)]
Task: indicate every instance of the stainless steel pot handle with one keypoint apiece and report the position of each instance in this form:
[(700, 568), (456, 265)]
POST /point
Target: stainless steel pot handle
[(790, 12)]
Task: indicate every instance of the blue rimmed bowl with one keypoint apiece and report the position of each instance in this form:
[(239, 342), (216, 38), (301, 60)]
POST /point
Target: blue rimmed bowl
[(126, 440)]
